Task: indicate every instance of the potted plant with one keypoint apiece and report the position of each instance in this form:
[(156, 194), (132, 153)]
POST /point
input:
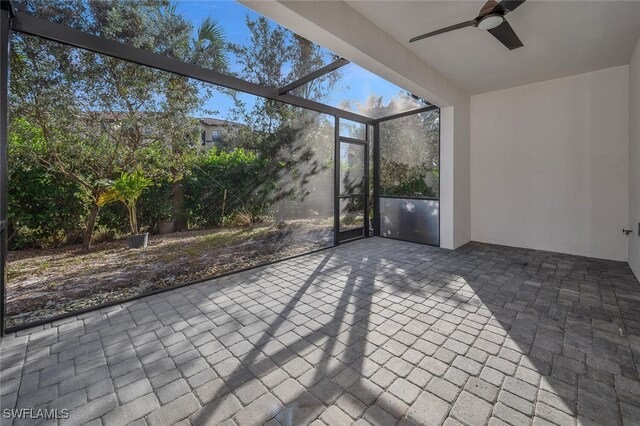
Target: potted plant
[(163, 214), (167, 225), (127, 189)]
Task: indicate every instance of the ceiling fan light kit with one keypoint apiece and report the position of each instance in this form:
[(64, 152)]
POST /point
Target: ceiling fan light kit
[(489, 22), (492, 19)]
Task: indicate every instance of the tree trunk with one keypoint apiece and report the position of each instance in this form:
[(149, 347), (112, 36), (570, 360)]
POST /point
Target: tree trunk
[(90, 225), (177, 206), (224, 202), (281, 212)]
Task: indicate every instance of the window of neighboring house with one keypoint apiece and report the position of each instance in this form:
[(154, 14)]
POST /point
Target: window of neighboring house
[(204, 137), (216, 136)]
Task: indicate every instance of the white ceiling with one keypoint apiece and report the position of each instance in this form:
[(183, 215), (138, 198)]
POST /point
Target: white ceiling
[(560, 38)]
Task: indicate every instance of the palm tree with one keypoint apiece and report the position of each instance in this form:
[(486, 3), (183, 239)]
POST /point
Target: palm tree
[(209, 46), (207, 49), (127, 189)]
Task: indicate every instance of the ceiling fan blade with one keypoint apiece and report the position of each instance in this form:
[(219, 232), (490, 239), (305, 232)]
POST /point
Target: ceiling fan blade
[(506, 6), (471, 23), (505, 34)]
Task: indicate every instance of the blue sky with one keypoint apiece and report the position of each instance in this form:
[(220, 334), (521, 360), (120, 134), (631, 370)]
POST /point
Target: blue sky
[(356, 83)]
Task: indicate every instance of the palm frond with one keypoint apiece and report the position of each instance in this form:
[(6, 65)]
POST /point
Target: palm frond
[(127, 189), (108, 197), (211, 31), (171, 8)]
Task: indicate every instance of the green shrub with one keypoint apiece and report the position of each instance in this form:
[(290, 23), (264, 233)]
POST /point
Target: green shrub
[(44, 208), (47, 210), (155, 205), (243, 174), (401, 179)]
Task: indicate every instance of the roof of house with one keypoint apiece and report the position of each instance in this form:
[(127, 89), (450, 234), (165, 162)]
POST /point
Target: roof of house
[(117, 115), (217, 122)]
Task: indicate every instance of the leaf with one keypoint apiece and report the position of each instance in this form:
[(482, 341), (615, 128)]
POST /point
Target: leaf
[(126, 189)]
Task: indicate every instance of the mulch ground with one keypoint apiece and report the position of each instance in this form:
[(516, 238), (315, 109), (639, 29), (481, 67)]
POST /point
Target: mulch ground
[(46, 283)]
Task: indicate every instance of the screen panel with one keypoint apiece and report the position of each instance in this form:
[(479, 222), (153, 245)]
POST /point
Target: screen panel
[(352, 168), (410, 178), (353, 88), (220, 190), (220, 35), (410, 156), (351, 213), (410, 220), (353, 130)]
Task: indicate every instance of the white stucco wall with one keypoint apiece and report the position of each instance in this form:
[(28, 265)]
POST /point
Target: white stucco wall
[(550, 166), (341, 29), (634, 160)]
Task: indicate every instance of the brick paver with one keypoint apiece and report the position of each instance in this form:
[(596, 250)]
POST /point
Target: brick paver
[(373, 332)]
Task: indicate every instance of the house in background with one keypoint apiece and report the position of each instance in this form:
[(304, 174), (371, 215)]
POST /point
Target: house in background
[(214, 131)]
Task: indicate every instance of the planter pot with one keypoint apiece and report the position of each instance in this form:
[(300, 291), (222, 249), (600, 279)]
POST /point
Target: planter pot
[(138, 241), (166, 227)]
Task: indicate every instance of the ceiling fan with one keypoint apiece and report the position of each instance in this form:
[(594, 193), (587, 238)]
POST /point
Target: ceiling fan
[(490, 18)]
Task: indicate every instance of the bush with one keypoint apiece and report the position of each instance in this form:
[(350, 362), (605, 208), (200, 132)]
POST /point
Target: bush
[(244, 176), (239, 218), (154, 206), (44, 209), (112, 222), (47, 210), (400, 179)]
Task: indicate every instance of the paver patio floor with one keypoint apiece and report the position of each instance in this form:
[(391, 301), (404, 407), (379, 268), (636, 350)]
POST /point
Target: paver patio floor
[(372, 332)]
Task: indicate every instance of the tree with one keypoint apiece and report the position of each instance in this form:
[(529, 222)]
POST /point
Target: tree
[(91, 117), (273, 57), (298, 142)]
